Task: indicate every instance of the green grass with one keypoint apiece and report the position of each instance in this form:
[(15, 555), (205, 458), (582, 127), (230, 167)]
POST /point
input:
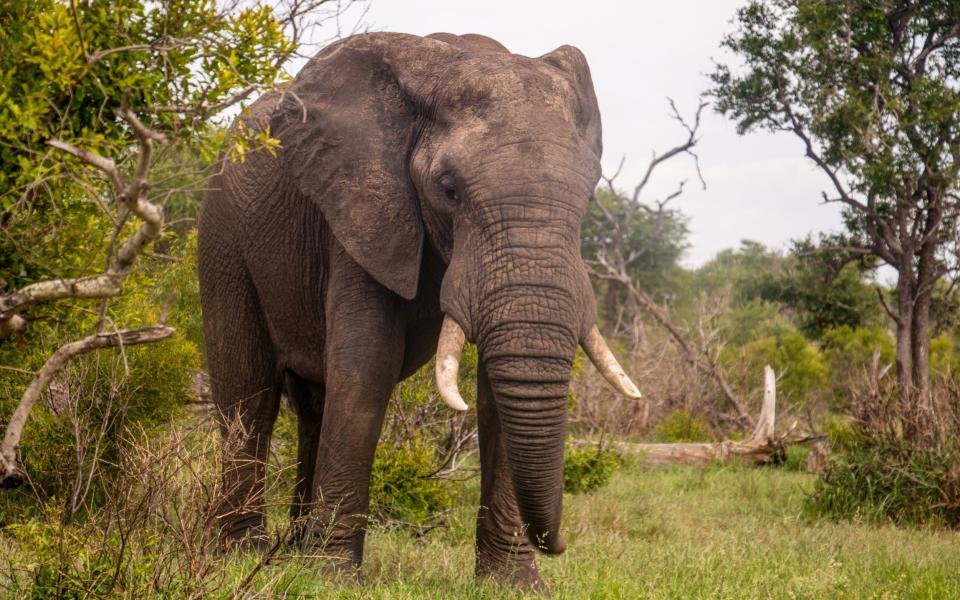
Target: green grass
[(720, 532)]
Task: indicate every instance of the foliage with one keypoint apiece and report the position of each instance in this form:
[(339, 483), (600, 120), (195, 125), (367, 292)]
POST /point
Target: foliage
[(401, 486), (152, 536), (656, 240), (103, 393), (806, 288), (588, 468), (64, 66), (843, 434), (682, 426), (849, 353), (796, 457), (880, 483), (871, 90), (801, 371)]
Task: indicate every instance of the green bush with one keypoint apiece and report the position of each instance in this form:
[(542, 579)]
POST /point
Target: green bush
[(681, 426), (798, 362), (588, 468), (401, 488), (101, 393), (795, 457), (882, 482), (848, 352), (842, 433)]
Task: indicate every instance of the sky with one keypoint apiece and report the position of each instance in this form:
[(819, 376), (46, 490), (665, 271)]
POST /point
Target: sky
[(641, 53)]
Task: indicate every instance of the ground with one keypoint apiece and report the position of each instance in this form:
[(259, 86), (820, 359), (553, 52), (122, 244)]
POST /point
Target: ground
[(719, 532)]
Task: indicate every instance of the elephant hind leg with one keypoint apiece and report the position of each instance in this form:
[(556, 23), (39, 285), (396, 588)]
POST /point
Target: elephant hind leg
[(306, 398), (246, 393)]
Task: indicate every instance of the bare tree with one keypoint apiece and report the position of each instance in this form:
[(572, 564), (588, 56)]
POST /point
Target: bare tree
[(614, 258)]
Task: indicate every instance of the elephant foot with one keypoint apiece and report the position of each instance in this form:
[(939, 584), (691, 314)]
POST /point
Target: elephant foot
[(247, 533), (343, 572), (523, 576)]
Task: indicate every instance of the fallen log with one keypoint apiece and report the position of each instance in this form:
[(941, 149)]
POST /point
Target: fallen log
[(763, 446)]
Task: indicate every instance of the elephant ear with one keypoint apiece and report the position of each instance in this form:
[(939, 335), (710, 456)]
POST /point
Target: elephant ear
[(346, 125), (573, 64)]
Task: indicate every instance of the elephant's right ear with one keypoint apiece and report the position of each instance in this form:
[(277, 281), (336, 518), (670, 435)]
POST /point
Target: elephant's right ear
[(346, 125)]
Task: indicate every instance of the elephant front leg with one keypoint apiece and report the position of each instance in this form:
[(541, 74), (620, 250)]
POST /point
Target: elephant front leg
[(503, 552), (364, 355)]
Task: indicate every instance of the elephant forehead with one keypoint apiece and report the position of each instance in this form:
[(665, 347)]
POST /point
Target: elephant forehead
[(519, 84)]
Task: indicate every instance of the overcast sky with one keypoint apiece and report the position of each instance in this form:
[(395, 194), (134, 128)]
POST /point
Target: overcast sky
[(640, 53)]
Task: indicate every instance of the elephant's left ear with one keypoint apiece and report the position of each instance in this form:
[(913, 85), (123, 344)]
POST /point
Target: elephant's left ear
[(573, 64), (346, 125)]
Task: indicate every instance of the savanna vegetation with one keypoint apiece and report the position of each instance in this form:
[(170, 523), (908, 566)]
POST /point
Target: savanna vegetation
[(111, 115)]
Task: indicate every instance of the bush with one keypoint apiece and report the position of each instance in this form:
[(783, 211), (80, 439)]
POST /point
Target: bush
[(884, 482), (843, 434), (681, 426), (588, 468), (75, 430), (848, 354), (401, 488), (795, 457), (798, 362)]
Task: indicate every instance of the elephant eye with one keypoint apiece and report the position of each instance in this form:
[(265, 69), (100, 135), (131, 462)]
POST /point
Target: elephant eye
[(449, 187)]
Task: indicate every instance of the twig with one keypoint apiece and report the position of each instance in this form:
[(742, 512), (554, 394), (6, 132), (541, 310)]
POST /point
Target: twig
[(10, 475)]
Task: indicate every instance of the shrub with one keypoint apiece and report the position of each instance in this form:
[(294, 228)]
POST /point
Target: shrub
[(588, 468), (795, 457), (895, 483), (798, 362), (843, 434), (681, 426), (75, 430), (848, 354), (401, 486)]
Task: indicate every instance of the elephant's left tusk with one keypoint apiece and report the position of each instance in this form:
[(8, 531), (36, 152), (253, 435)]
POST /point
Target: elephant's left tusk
[(605, 362), (449, 347)]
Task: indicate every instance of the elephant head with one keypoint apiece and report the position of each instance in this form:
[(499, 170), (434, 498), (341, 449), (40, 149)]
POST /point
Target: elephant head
[(490, 158)]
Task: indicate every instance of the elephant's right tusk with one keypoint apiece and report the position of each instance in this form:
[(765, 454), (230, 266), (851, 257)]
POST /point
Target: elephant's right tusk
[(605, 362), (449, 347)]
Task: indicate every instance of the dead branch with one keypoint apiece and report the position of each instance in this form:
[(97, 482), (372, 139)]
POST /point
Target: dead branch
[(130, 191), (10, 475), (763, 445)]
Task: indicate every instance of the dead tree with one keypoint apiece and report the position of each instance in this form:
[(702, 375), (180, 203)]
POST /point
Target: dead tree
[(614, 260), (763, 446)]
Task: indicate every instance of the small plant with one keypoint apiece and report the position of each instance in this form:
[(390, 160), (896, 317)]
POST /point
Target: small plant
[(588, 468), (885, 482), (401, 486), (681, 426)]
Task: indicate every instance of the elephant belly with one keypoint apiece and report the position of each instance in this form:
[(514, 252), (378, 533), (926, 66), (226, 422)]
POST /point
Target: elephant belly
[(286, 259)]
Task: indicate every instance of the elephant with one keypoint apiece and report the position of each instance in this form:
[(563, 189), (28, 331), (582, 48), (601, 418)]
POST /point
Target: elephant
[(425, 191)]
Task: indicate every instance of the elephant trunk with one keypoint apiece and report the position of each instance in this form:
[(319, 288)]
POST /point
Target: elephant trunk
[(528, 365)]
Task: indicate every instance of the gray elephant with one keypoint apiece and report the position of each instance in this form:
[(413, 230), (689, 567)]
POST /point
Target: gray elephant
[(427, 190)]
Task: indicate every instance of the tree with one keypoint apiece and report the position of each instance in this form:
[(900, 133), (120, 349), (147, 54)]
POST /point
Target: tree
[(623, 233), (872, 90), (653, 239), (99, 102)]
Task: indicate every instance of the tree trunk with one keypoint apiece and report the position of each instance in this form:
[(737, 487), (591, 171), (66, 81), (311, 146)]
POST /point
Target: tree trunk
[(927, 275), (905, 306)]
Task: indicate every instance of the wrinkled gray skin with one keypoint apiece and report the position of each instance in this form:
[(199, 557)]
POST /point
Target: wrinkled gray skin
[(418, 177)]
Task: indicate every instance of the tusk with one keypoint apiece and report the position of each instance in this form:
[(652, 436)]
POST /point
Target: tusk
[(449, 347), (605, 362)]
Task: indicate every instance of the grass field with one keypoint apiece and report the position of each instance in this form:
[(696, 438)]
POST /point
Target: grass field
[(720, 532)]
